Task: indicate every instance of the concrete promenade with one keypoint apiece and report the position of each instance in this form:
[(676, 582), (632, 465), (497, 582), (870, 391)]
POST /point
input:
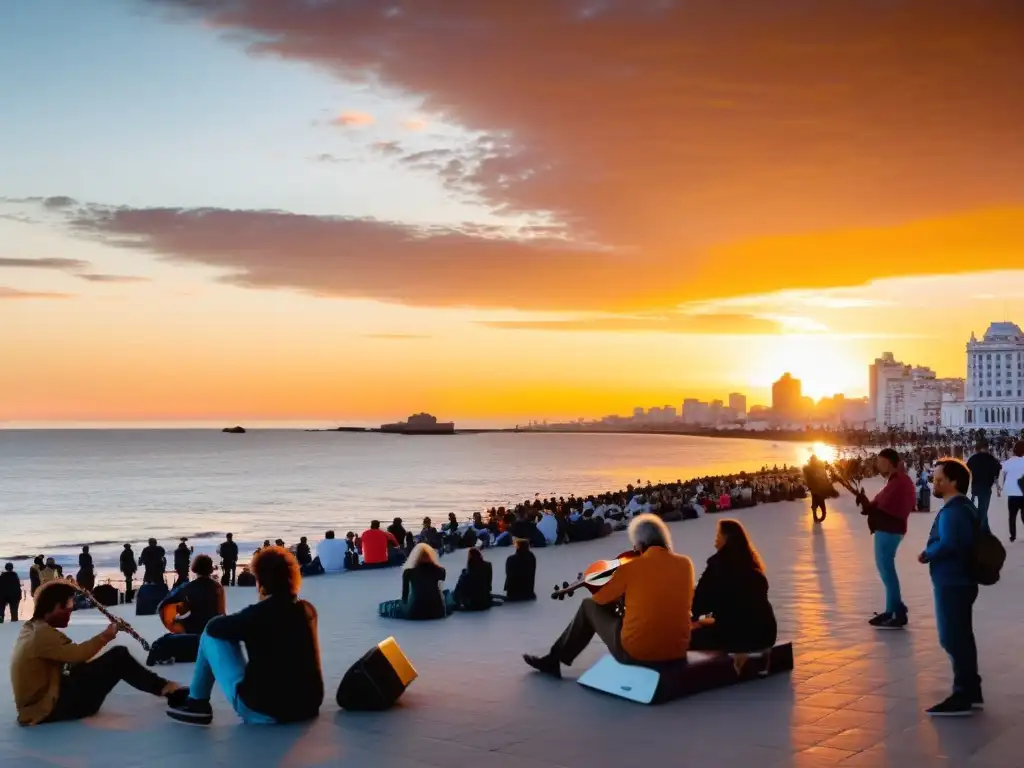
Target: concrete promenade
[(856, 697)]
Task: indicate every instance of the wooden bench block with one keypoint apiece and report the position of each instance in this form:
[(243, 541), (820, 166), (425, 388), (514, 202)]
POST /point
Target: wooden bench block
[(702, 671)]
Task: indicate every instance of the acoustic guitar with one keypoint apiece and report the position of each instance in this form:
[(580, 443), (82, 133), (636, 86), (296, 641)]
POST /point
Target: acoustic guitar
[(596, 575), (171, 615)]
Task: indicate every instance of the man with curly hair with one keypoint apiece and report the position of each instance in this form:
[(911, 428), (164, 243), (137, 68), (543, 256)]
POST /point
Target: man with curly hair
[(281, 682)]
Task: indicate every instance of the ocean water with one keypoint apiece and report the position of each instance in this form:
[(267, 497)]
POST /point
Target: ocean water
[(61, 489)]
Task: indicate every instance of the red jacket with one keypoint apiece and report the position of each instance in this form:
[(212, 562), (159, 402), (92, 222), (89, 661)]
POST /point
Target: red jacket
[(889, 510)]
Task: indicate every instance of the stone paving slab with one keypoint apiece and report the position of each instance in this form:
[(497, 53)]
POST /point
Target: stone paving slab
[(855, 698)]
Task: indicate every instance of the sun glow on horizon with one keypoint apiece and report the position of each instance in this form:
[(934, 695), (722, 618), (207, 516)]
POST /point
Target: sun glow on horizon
[(824, 364)]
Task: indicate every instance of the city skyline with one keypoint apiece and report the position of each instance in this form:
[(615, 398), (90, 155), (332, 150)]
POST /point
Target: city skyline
[(281, 211)]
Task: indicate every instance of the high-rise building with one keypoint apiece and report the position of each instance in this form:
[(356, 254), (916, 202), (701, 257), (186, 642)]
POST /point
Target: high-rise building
[(880, 372), (993, 395), (786, 398), (738, 403), (908, 396), (695, 411), (638, 413)]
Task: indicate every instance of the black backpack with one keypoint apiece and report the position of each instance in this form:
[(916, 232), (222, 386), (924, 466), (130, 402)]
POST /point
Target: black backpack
[(987, 555)]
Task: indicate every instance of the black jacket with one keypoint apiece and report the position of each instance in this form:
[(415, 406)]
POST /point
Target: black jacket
[(153, 559), (302, 554), (737, 596), (182, 557), (203, 596), (128, 566), (282, 675), (473, 590), (228, 552), (10, 587), (520, 570), (421, 592)]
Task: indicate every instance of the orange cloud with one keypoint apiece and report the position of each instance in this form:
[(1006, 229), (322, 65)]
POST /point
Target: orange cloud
[(668, 323), (16, 294), (673, 126), (353, 119), (414, 124), (487, 267)]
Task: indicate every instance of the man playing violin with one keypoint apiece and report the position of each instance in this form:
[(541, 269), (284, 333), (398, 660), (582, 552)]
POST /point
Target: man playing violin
[(657, 590)]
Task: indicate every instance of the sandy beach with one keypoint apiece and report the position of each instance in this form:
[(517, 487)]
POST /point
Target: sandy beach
[(856, 696)]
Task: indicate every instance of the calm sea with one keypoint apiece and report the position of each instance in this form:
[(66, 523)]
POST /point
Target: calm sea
[(62, 489)]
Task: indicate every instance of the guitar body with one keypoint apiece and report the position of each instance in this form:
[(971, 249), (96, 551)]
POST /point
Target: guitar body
[(170, 615), (595, 576)]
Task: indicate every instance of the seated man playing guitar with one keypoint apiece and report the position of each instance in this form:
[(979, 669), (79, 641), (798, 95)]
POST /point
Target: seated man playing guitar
[(657, 589), (188, 609)]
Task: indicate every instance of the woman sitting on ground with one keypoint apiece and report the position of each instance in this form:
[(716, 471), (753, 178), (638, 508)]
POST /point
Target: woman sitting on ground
[(422, 597), (734, 591), (280, 681), (520, 570), (473, 590)]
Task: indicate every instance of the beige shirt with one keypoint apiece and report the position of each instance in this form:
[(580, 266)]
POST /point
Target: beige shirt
[(39, 656)]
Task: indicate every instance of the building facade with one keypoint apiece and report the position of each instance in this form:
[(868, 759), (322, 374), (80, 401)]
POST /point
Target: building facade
[(787, 395), (738, 403), (993, 397), (907, 396)]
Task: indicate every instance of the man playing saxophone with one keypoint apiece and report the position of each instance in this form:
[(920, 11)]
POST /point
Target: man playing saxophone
[(44, 693)]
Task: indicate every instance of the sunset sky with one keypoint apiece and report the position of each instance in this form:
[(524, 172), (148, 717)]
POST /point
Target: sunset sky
[(344, 211)]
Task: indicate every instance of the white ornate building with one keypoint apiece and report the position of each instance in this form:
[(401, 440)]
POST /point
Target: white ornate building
[(994, 393)]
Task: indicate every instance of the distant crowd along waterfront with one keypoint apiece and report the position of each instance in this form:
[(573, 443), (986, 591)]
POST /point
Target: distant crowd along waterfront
[(543, 521), (727, 611)]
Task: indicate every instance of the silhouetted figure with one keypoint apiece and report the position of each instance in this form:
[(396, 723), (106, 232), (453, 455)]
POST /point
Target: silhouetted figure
[(228, 551), (154, 562), (86, 577), (128, 568)]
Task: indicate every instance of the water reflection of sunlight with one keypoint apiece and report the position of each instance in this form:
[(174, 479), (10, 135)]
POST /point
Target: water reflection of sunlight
[(823, 451)]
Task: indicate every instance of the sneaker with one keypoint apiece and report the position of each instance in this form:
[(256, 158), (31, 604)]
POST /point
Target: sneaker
[(547, 665), (879, 619), (956, 705), (177, 697), (977, 701), (192, 712), (894, 621)]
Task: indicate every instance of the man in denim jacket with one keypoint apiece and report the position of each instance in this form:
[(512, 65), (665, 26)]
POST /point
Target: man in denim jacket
[(948, 556)]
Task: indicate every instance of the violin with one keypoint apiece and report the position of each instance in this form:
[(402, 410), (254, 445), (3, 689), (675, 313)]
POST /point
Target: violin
[(595, 576)]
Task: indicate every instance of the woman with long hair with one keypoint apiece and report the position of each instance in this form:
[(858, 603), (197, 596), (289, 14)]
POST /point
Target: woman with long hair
[(733, 590), (422, 597), (473, 590)]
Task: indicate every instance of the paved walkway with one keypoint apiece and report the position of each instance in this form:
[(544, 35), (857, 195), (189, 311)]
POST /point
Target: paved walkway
[(855, 698)]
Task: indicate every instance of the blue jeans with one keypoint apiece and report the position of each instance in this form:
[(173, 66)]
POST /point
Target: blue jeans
[(982, 497), (954, 617), (223, 661), (886, 545)]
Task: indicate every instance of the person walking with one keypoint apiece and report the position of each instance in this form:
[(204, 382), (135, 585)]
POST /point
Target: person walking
[(1012, 479), (887, 517), (10, 592), (984, 469), (948, 555), (128, 569), (228, 551)]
